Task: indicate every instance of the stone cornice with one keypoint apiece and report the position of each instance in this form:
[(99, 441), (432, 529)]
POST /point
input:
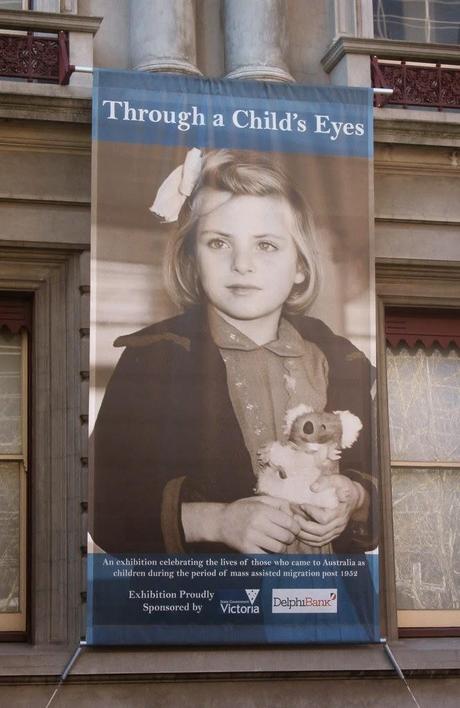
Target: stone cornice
[(392, 125), (403, 270), (398, 221), (62, 108), (427, 654), (390, 49), (47, 21)]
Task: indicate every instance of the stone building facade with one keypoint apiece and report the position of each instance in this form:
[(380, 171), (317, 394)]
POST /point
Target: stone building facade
[(45, 228)]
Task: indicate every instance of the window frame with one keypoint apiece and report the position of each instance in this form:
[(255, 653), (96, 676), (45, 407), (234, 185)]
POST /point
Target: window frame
[(56, 444), (25, 5), (14, 625), (428, 23), (402, 283)]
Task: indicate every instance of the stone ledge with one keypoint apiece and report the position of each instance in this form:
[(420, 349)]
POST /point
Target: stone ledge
[(399, 220), (390, 49), (403, 270), (19, 663), (45, 102), (47, 21), (417, 127)]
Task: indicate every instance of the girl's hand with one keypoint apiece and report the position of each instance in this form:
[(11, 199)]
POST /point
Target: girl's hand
[(258, 525), (324, 525), (261, 524)]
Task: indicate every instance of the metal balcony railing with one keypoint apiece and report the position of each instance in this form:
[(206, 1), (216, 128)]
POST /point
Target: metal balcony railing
[(416, 84), (35, 58)]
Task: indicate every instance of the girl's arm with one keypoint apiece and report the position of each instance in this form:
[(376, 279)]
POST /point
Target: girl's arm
[(253, 525), (134, 453)]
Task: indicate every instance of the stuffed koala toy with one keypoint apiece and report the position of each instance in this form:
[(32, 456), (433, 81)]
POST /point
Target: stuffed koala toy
[(315, 441)]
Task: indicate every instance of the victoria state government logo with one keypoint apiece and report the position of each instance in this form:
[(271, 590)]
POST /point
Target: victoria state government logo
[(239, 602)]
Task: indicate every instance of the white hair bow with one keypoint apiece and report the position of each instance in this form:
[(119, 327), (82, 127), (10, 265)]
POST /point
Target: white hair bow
[(177, 187)]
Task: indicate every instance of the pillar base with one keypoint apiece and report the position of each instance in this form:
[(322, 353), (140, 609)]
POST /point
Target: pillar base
[(169, 66), (259, 72)]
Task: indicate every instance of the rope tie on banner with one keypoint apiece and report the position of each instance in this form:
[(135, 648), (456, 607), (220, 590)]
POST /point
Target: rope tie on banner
[(398, 669), (66, 671)]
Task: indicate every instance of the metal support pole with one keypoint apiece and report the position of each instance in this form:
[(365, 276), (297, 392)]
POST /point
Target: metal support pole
[(398, 669), (89, 70), (67, 670)]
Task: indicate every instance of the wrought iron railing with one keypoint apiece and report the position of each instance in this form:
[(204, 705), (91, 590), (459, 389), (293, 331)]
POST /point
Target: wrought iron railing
[(416, 84), (35, 58)]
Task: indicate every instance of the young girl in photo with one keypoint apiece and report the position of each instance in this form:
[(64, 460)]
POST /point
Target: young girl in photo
[(194, 398)]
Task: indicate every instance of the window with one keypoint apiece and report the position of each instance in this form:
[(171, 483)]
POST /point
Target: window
[(15, 4), (14, 376), (423, 380), (418, 20), (58, 444)]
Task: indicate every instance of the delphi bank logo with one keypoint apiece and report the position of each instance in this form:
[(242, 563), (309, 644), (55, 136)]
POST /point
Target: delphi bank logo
[(303, 600), (239, 602)]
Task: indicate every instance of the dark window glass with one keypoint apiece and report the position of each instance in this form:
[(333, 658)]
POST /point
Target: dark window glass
[(435, 21)]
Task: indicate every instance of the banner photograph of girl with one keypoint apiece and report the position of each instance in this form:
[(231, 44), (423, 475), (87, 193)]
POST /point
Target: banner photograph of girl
[(242, 423)]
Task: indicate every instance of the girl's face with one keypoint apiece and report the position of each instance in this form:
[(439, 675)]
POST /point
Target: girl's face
[(246, 257)]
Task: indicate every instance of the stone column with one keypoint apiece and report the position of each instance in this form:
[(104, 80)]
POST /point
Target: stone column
[(254, 40), (163, 36)]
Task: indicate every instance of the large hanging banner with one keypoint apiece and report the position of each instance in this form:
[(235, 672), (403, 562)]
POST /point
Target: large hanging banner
[(233, 480)]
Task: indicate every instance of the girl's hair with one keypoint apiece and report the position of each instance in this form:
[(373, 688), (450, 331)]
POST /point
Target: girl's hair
[(225, 171)]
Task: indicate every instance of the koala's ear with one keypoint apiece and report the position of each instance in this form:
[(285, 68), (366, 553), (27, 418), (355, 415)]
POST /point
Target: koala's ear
[(292, 415), (351, 425)]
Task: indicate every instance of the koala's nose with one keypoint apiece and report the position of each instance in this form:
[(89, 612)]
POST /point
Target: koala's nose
[(308, 428)]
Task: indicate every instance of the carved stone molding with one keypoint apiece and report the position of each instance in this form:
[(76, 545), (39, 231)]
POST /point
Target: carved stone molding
[(395, 125), (48, 21), (57, 137), (416, 160), (398, 270), (389, 49), (415, 282), (62, 104)]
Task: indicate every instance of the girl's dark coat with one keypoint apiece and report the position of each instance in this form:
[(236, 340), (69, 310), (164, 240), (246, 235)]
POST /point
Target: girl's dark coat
[(167, 413)]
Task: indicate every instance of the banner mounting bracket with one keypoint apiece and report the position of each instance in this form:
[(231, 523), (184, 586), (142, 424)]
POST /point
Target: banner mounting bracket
[(66, 671), (398, 669), (89, 70)]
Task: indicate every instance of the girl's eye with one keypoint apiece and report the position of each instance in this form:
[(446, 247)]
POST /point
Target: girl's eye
[(217, 244), (266, 246)]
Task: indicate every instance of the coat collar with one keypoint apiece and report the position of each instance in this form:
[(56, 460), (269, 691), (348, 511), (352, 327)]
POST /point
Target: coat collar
[(288, 343)]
